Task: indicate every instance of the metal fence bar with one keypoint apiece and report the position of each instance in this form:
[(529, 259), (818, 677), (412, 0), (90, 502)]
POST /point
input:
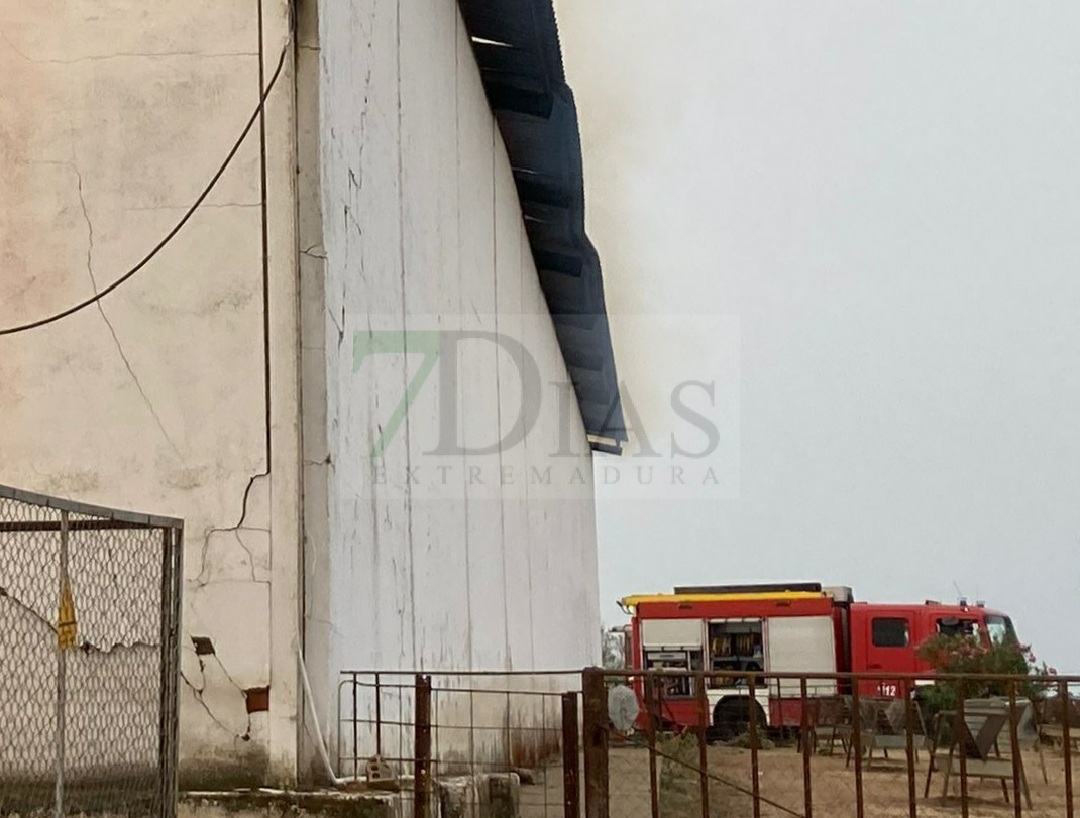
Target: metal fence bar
[(378, 717), (755, 773), (1066, 746), (703, 742), (1014, 750), (595, 735), (702, 777), (808, 741), (355, 729), (960, 729), (168, 639), (652, 705), (909, 745), (61, 666), (857, 748), (422, 748), (571, 792)]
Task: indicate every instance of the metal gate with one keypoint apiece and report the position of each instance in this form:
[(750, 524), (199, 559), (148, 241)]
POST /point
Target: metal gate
[(89, 658)]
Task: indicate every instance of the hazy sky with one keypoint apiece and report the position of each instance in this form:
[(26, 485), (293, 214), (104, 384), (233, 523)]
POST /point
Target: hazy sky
[(885, 200)]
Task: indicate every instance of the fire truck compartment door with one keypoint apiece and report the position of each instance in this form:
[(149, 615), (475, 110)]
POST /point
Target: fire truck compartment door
[(801, 644), (672, 633)]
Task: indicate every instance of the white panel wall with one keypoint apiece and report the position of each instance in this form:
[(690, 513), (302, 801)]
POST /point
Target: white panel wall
[(422, 229)]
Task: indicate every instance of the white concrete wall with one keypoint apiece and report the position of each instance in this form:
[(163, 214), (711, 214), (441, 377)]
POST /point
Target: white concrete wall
[(421, 226), (113, 117)]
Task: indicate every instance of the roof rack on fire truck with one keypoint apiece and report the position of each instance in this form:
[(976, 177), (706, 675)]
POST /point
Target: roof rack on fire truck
[(744, 593)]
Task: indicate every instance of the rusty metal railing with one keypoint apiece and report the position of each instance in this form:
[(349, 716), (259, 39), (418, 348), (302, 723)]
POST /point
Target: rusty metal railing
[(450, 742), (1013, 748)]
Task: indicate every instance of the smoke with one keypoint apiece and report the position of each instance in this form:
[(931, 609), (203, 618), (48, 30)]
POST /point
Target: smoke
[(885, 196)]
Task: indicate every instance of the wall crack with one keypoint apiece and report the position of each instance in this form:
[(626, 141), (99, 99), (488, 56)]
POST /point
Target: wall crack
[(123, 55), (105, 317), (197, 694), (203, 580)]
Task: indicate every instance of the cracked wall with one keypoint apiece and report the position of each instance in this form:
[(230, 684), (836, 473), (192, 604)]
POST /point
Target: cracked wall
[(421, 227), (112, 120)]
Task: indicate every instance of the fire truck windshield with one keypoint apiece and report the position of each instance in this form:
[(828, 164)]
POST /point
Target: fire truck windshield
[(1000, 629)]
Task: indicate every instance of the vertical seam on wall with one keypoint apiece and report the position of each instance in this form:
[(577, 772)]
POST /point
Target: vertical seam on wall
[(405, 345), (265, 237), (498, 379), (524, 266), (459, 31)]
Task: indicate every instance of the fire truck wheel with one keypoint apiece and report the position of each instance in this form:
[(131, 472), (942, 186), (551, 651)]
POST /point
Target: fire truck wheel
[(731, 717)]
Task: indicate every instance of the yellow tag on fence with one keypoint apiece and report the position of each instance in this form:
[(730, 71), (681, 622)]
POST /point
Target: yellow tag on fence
[(66, 626)]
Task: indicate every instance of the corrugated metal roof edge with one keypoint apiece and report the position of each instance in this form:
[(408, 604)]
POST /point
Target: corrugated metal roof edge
[(606, 430)]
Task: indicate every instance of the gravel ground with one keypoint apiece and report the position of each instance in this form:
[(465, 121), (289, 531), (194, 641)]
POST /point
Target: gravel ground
[(885, 787)]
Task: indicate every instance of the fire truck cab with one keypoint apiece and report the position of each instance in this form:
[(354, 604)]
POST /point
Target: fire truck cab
[(802, 628)]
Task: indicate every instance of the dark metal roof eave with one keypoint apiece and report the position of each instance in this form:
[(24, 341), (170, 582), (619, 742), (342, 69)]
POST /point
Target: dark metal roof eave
[(516, 46)]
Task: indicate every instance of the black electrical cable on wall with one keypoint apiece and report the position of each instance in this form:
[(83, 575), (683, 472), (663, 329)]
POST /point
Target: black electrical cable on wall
[(255, 116)]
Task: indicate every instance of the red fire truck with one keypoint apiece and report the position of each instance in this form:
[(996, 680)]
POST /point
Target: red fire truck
[(801, 628)]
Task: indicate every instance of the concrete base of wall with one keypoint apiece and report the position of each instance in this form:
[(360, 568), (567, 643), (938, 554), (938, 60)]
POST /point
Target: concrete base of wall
[(280, 804), (479, 796)]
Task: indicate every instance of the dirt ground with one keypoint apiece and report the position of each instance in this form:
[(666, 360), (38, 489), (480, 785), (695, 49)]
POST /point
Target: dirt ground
[(885, 787)]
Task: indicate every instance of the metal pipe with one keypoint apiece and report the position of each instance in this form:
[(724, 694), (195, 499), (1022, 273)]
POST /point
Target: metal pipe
[(320, 745)]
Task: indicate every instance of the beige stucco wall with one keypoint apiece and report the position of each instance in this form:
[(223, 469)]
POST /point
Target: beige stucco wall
[(113, 117)]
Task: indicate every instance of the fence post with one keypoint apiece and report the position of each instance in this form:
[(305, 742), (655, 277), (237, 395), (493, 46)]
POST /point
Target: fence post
[(169, 673), (595, 734), (422, 748), (703, 742), (962, 750), (807, 735), (1066, 746), (1014, 749), (378, 718), (857, 747), (651, 701), (61, 666), (909, 744), (571, 788), (755, 773)]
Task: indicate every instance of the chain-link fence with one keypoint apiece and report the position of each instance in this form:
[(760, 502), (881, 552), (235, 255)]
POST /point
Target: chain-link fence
[(664, 745), (89, 652)]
